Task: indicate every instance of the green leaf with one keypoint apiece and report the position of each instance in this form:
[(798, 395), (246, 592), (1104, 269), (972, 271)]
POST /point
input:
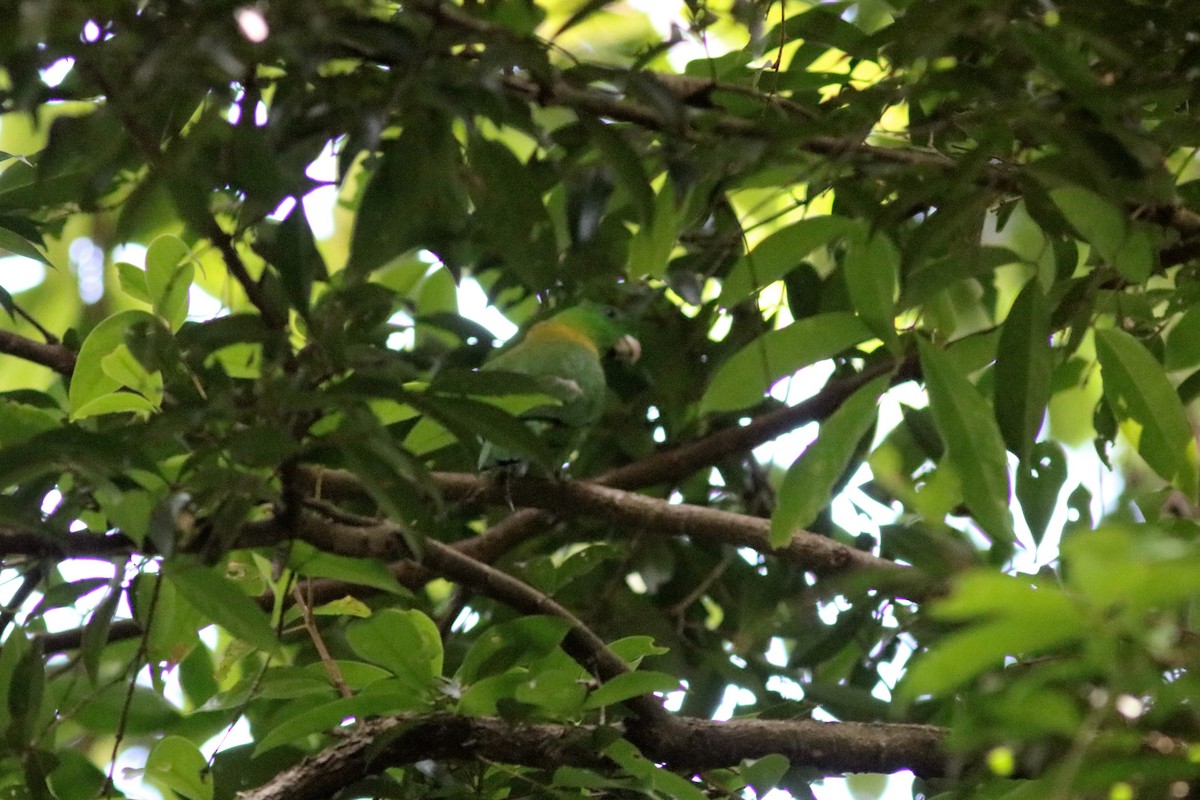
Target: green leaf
[(163, 257), (1098, 221), (95, 633), (650, 774), (560, 692), (289, 246), (764, 774), (20, 422), (650, 248), (511, 213), (1138, 257), (178, 765), (1014, 619), (18, 245), (89, 381), (632, 649), (405, 642), (468, 418), (221, 601), (26, 690), (778, 254), (168, 278), (748, 374), (313, 563), (809, 483), (1151, 414), (1040, 478), (386, 699), (1183, 342), (1103, 226), (519, 641), (1024, 367), (133, 281), (1126, 568), (631, 684), (871, 267), (147, 711), (973, 444), (120, 403), (123, 367), (414, 199)]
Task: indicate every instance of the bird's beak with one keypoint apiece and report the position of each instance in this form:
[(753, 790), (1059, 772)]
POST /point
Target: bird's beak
[(628, 349)]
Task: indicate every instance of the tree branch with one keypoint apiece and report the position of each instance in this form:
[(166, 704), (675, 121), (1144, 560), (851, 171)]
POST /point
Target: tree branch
[(636, 512), (832, 747), (670, 466), (57, 357)]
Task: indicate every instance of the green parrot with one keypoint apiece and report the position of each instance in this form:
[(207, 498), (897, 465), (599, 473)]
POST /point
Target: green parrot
[(565, 353)]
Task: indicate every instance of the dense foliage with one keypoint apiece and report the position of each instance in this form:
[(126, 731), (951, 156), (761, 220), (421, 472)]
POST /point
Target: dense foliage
[(249, 548)]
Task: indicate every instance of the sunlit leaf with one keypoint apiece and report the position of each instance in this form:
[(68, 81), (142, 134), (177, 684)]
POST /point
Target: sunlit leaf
[(89, 380), (176, 764)]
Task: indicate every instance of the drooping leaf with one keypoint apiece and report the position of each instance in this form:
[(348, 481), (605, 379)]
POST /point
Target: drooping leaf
[(1024, 367), (631, 684), (414, 199), (651, 246), (1040, 478), (511, 214), (807, 486), (1008, 617), (307, 560), (1183, 342), (1151, 415), (871, 267), (973, 443)]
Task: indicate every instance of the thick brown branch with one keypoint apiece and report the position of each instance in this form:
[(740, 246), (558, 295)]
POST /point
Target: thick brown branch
[(667, 466), (808, 551), (57, 357), (831, 747)]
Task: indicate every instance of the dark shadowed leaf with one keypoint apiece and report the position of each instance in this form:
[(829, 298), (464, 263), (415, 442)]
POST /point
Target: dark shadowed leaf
[(1024, 366)]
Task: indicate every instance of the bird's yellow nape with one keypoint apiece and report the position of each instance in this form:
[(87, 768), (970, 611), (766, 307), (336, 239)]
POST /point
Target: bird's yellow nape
[(552, 331)]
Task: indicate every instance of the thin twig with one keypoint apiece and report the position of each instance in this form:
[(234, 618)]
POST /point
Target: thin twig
[(314, 635), (139, 659)]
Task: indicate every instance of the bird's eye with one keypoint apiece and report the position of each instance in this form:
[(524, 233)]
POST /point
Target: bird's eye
[(609, 312)]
